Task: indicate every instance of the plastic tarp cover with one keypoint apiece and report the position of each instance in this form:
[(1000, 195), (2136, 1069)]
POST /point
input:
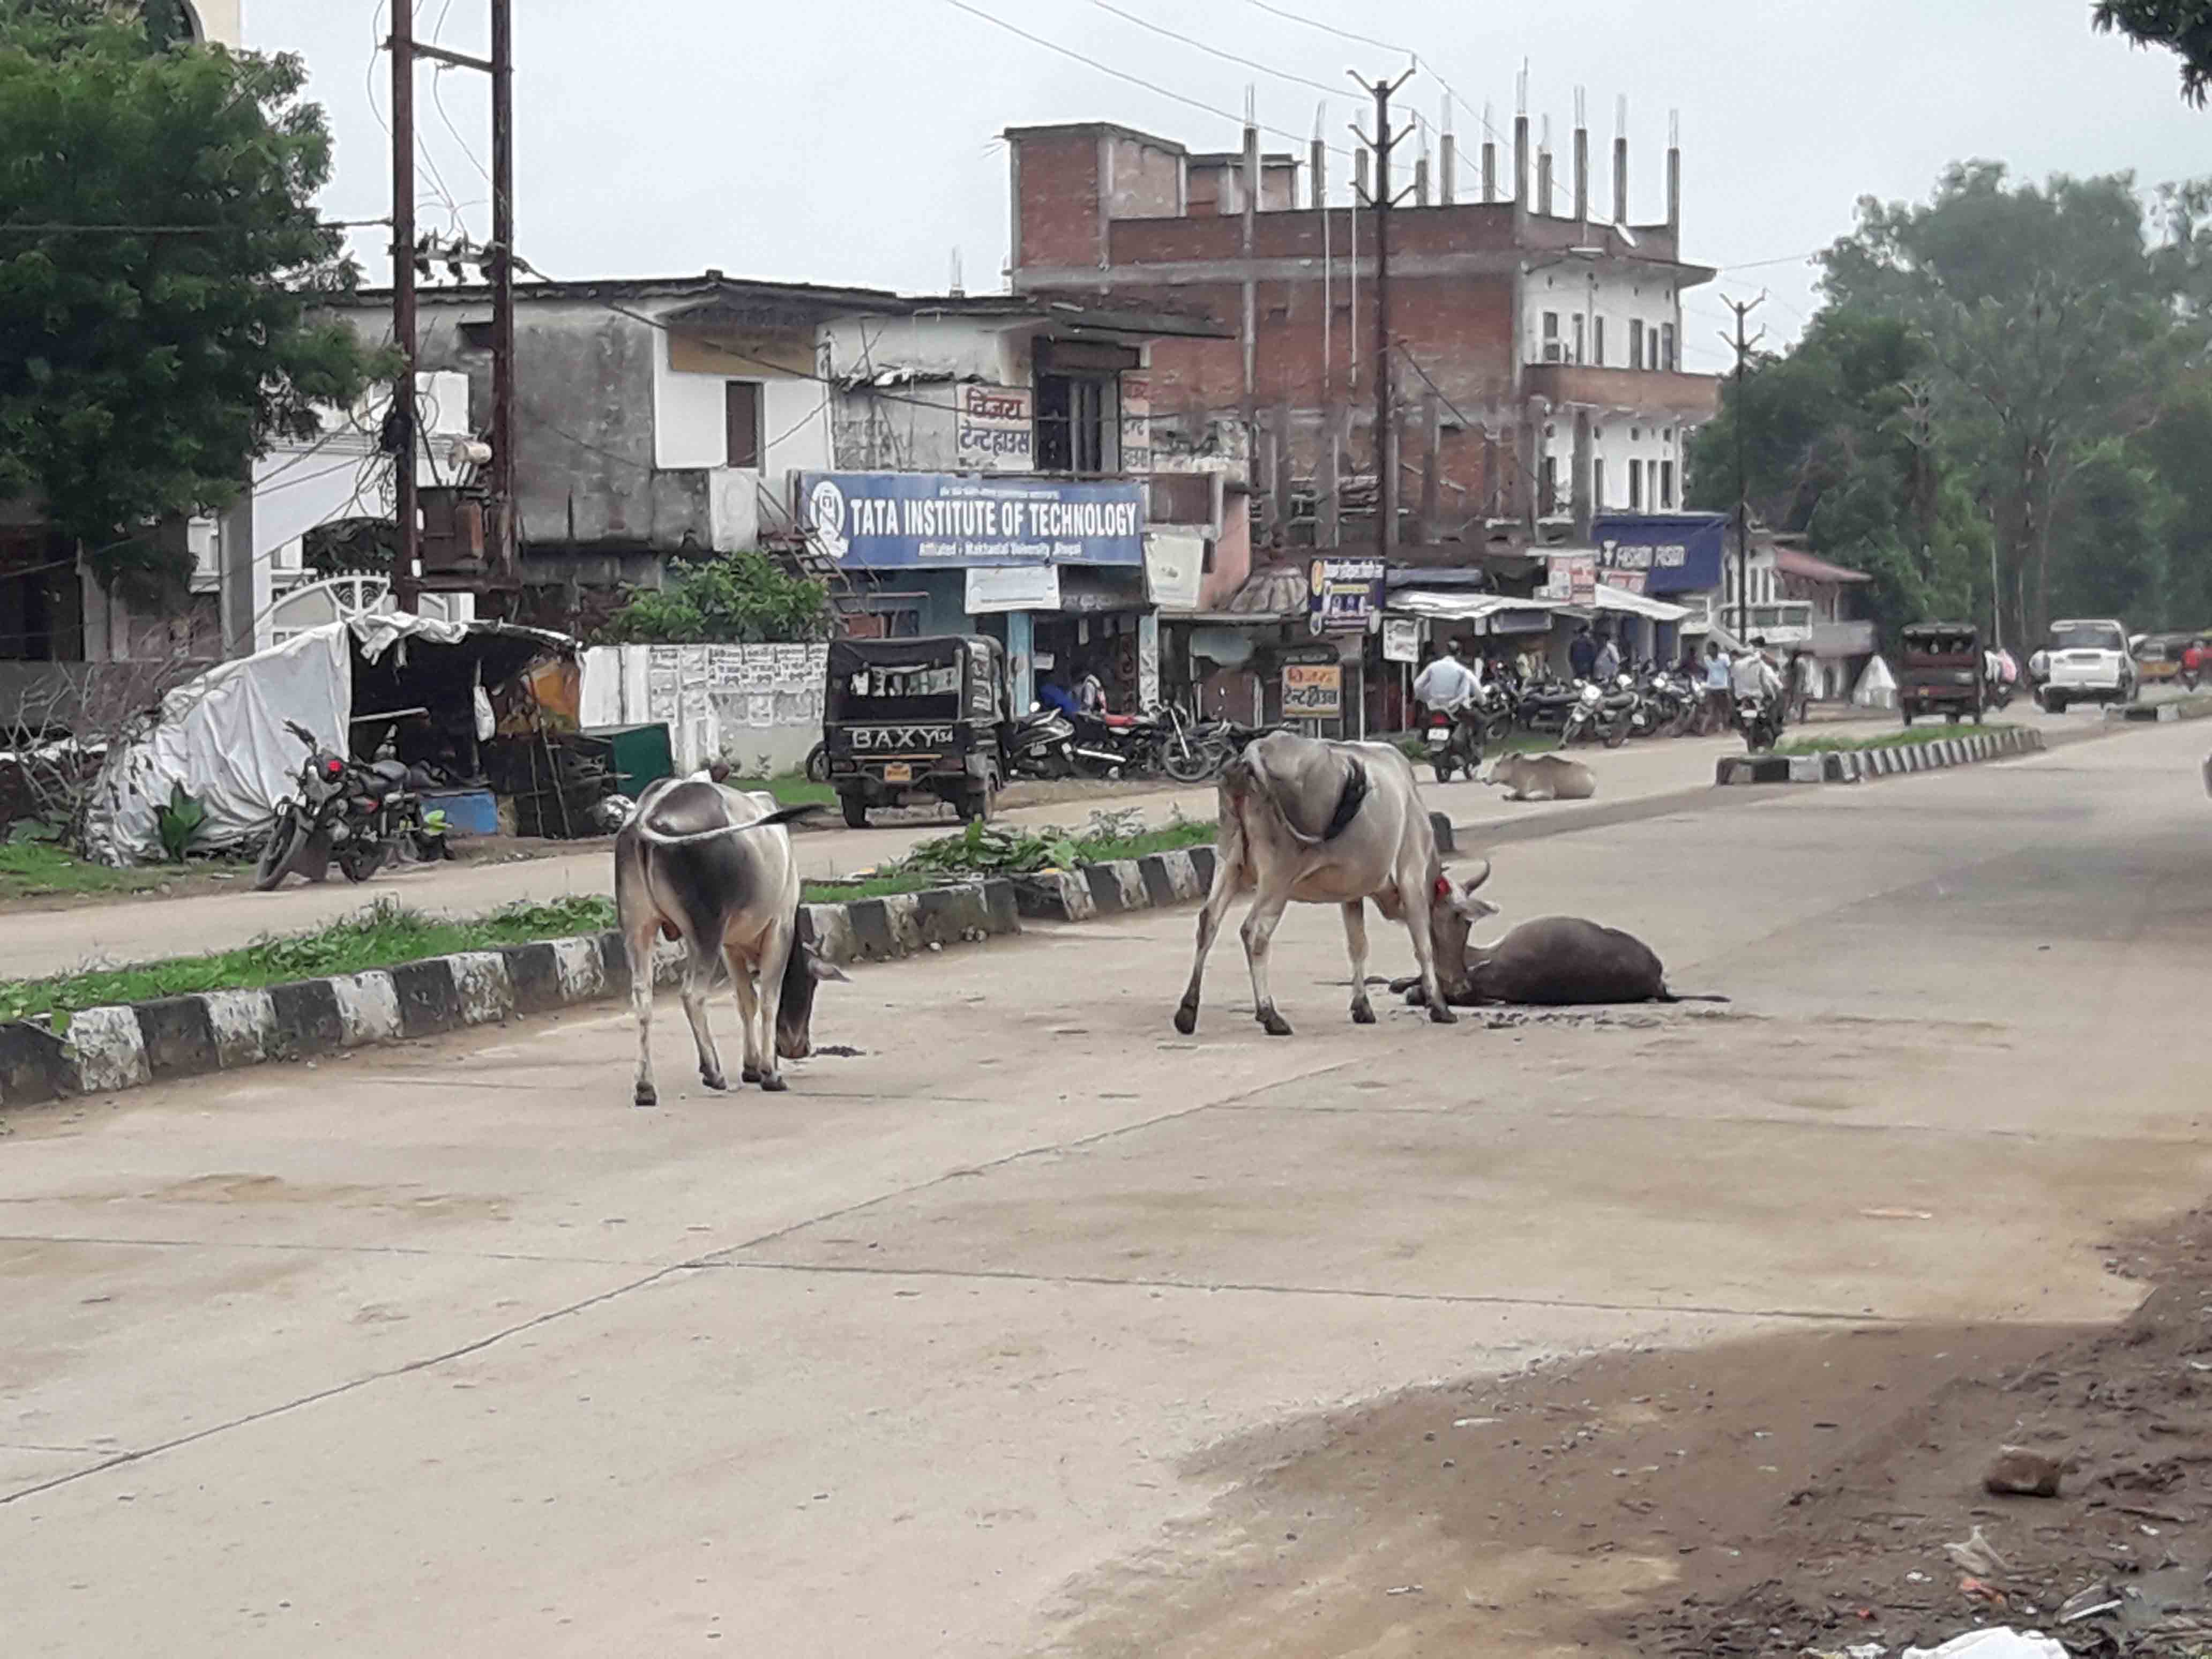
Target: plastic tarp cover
[(1877, 686), (223, 736)]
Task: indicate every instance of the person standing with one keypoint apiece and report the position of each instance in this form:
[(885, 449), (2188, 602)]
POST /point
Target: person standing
[(1607, 666), (1582, 652), (1091, 692), (1719, 691)]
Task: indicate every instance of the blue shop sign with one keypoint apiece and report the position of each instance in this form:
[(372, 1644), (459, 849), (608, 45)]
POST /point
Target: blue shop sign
[(1343, 595), (902, 520), (1678, 553)]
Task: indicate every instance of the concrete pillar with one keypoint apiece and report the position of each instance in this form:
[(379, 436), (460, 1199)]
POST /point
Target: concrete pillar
[(1582, 175), (1447, 171), (1148, 660), (242, 578), (1579, 486), (1021, 670), (1620, 180), (1421, 182), (1521, 161), (1489, 171)]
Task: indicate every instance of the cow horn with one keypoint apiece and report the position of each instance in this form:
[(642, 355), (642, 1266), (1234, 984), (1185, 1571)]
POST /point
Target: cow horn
[(1476, 880)]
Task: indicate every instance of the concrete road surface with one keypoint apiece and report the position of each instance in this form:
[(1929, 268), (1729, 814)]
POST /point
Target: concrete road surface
[(41, 942), (448, 1349)]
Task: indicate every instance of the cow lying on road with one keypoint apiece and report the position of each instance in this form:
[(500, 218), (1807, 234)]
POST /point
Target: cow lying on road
[(1323, 823), (713, 867), (1543, 777), (1553, 962)]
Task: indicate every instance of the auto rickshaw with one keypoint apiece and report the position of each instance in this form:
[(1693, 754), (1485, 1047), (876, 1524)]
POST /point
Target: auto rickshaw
[(921, 717), (1940, 672)]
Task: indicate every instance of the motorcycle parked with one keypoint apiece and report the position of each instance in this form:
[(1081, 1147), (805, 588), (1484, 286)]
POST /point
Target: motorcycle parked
[(1041, 744), (361, 815), (1546, 706), (1115, 745)]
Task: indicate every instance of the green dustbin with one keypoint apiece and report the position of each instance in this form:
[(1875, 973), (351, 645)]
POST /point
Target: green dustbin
[(640, 756)]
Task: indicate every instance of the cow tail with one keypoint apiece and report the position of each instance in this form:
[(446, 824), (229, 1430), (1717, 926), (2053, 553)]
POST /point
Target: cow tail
[(782, 815)]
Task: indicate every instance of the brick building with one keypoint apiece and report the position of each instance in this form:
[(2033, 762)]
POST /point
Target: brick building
[(1539, 374)]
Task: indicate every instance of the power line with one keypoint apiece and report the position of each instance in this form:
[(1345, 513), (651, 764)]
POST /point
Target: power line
[(1331, 28), (1118, 75), (1227, 57), (53, 230)]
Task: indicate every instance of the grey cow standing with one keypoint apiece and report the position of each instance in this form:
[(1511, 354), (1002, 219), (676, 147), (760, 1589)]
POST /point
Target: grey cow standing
[(713, 867), (1323, 823)]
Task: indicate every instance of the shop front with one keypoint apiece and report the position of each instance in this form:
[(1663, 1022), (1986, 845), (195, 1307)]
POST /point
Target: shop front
[(1054, 568)]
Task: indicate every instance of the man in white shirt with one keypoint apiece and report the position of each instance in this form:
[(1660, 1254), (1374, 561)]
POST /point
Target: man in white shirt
[(1447, 684), (1754, 674)]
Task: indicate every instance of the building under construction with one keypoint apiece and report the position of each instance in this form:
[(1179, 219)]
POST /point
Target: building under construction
[(1537, 340)]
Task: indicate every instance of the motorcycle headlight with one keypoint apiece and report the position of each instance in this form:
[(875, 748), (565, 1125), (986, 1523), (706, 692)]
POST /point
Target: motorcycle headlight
[(1591, 694)]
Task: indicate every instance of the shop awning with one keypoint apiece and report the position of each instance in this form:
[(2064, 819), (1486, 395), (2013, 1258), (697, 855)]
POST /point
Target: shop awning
[(1463, 607), (1638, 605)]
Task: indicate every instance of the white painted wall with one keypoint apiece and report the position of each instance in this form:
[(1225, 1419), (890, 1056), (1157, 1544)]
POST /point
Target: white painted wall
[(1616, 441), (747, 704), (958, 346), (1616, 291)]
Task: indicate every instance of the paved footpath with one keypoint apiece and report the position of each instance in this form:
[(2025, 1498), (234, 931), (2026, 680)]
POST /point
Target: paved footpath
[(41, 942), (980, 1341)]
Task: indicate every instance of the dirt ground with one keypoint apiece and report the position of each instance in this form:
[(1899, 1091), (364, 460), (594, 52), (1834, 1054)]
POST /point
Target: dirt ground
[(1791, 1494)]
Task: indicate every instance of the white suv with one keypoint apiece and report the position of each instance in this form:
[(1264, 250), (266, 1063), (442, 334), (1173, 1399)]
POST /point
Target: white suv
[(2085, 662)]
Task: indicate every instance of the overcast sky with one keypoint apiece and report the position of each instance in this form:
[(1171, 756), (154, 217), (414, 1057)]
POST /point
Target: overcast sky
[(856, 141)]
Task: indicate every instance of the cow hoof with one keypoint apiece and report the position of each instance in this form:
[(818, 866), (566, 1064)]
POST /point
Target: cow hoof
[(1273, 1024), (773, 1083), (714, 1079), (1363, 1013), (1186, 1019), (1441, 1015), (645, 1096), (750, 1074)]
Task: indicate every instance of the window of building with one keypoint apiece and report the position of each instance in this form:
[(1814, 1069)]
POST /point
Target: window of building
[(1551, 337), (1651, 348), (475, 337), (1636, 343), (1072, 433), (741, 420), (1597, 341), (1666, 485), (1667, 347), (1549, 498), (1597, 486), (1577, 357), (1636, 486)]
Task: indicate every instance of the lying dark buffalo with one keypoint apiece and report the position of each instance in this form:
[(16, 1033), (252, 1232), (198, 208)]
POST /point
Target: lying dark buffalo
[(1559, 962)]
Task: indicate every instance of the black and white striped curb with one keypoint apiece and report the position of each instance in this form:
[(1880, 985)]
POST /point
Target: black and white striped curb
[(1856, 765), (128, 1045)]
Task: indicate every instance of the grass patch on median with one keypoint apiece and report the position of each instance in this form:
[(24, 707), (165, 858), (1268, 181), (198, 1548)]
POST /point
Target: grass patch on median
[(381, 936), (982, 850), (1903, 736)]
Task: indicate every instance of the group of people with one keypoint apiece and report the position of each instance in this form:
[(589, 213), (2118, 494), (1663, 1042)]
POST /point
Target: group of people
[(1451, 685)]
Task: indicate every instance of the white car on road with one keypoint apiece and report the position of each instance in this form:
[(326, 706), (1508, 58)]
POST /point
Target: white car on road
[(2084, 662)]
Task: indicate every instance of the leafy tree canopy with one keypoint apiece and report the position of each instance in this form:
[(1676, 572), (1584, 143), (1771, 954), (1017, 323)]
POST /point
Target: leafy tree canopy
[(2184, 26), (739, 599), (161, 257)]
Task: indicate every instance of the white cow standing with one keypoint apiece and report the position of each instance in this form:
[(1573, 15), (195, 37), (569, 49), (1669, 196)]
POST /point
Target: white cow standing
[(712, 867), (1324, 824)]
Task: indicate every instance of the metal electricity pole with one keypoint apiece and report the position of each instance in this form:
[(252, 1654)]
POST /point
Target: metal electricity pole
[(498, 267), (503, 527), (400, 427), (1742, 347), (1386, 376)]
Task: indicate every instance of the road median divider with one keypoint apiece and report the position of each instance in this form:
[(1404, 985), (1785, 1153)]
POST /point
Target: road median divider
[(1858, 765)]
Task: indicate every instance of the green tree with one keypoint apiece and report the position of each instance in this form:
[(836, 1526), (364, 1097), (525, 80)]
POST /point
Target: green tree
[(2050, 324), (2182, 25), (739, 599), (160, 261)]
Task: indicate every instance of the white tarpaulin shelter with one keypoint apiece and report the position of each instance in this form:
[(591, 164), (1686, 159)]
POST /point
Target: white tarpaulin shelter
[(224, 735), (1877, 686)]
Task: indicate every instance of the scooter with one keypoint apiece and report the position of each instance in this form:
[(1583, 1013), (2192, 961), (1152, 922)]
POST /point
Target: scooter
[(1040, 744), (1756, 719)]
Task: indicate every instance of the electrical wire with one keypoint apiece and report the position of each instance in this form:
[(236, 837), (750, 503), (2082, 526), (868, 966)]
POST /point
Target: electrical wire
[(1118, 75), (1331, 28), (1227, 56)]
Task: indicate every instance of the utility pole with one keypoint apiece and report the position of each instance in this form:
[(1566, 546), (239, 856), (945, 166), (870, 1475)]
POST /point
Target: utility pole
[(1742, 347), (498, 267), (503, 526), (400, 427), (1386, 375)]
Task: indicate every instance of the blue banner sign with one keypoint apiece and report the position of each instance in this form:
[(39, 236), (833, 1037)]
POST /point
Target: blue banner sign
[(1342, 594), (1675, 553), (902, 521)]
